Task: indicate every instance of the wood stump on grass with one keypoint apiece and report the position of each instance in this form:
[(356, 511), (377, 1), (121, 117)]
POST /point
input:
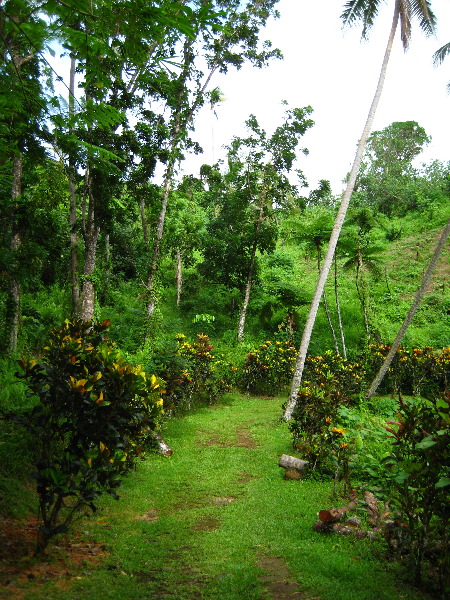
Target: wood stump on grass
[(294, 467)]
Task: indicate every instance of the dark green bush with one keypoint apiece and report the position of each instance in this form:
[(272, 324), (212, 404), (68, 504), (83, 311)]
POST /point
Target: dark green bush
[(417, 475), (93, 413)]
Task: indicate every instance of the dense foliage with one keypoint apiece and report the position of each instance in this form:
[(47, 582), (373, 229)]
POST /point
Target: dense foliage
[(92, 416), (206, 280)]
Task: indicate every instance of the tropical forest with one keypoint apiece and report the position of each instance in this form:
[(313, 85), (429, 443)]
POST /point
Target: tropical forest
[(224, 382)]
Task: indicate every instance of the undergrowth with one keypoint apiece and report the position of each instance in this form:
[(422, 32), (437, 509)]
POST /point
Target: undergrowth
[(196, 525)]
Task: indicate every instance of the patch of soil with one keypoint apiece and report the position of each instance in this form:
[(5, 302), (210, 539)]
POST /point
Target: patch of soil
[(245, 477), (244, 440), (17, 538), (65, 558), (216, 440), (151, 516), (277, 580), (207, 524)]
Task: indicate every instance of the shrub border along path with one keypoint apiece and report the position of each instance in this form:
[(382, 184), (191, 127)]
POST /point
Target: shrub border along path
[(216, 520)]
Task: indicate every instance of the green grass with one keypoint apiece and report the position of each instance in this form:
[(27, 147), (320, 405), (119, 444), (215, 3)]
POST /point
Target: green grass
[(194, 525)]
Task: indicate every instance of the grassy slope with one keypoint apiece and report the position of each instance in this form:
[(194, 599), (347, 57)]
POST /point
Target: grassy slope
[(196, 525)]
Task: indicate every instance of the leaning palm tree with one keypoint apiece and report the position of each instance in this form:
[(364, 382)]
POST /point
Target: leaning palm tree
[(439, 56), (426, 279), (355, 11)]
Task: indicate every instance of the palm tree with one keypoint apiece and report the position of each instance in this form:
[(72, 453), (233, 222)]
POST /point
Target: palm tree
[(439, 56), (355, 11), (412, 311)]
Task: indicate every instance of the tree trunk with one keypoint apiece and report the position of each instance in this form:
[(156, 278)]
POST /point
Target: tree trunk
[(327, 310), (87, 307), (338, 308), (307, 332), (412, 311), (13, 304), (179, 277), (180, 122), (248, 287), (151, 297), (73, 203), (177, 128), (143, 220), (360, 290)]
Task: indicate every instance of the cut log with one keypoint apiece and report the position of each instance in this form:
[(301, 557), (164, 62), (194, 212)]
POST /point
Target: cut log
[(163, 446), (333, 515), (290, 462)]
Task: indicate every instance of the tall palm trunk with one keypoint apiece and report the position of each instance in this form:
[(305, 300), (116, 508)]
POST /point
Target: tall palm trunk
[(307, 332), (412, 311)]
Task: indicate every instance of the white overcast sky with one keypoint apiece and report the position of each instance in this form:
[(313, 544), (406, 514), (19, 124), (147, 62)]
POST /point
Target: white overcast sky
[(335, 72)]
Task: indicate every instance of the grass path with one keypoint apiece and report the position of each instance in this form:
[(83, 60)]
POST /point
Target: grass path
[(217, 521)]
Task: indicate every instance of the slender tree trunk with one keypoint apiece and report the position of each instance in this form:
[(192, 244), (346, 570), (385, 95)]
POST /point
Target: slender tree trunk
[(412, 311), (307, 332), (327, 310), (360, 290), (13, 304), (87, 305), (248, 287), (179, 276), (167, 185), (73, 203), (144, 220), (338, 308), (180, 122)]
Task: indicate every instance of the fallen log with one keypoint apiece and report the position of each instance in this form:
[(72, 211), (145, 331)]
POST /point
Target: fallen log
[(163, 446), (343, 529), (334, 514), (294, 467), (372, 508)]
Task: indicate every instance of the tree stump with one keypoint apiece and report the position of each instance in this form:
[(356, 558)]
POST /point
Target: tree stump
[(294, 467)]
